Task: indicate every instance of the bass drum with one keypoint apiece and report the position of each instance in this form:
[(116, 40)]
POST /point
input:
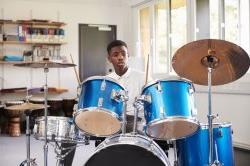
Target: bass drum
[(128, 150)]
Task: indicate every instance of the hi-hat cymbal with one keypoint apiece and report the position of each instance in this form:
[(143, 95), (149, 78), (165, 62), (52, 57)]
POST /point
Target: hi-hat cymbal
[(26, 106), (45, 64), (228, 61)]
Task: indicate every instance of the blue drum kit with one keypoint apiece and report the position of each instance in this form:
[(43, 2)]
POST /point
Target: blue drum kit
[(169, 111)]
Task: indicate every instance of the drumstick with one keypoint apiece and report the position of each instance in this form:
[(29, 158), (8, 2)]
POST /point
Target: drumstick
[(77, 76), (147, 69)]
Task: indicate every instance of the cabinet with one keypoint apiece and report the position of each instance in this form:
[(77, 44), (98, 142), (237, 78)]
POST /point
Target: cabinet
[(28, 40)]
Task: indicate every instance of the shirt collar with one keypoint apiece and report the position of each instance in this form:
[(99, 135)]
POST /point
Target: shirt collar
[(125, 75)]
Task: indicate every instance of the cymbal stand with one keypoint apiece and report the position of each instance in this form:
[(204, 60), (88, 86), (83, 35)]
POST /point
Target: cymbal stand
[(59, 149), (45, 147), (210, 117), (28, 161), (211, 62)]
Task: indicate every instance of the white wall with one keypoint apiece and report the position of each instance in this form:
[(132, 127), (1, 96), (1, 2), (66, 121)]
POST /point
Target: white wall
[(95, 12)]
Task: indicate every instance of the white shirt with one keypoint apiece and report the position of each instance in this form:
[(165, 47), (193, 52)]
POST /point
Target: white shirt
[(133, 80)]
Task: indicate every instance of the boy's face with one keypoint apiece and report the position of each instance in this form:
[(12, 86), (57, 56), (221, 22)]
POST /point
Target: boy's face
[(118, 56)]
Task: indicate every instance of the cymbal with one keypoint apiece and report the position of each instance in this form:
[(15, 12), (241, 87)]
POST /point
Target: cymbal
[(26, 106), (227, 60), (44, 64)]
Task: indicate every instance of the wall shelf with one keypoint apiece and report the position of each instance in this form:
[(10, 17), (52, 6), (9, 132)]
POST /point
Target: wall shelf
[(10, 62), (34, 22), (33, 90), (32, 42)]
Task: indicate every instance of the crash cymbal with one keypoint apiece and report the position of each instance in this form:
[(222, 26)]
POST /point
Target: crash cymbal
[(228, 61), (26, 106), (45, 64)]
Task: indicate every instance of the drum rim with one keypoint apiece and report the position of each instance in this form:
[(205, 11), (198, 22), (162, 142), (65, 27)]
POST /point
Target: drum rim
[(103, 78), (106, 110), (51, 99), (36, 99), (97, 108), (108, 143), (216, 125), (69, 99), (57, 138), (16, 102), (180, 79), (190, 119), (41, 118)]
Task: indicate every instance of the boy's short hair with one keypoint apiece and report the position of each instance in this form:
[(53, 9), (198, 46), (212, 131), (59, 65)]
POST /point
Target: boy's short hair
[(116, 43)]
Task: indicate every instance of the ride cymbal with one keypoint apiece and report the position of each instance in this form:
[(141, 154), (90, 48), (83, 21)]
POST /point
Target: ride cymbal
[(228, 61)]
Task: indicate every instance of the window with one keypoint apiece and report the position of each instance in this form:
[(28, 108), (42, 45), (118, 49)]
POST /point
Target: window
[(229, 21), (178, 26), (162, 31), (161, 38), (167, 25), (145, 32)]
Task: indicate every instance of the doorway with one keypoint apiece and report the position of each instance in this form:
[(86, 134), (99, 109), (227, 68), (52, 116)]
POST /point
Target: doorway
[(93, 40)]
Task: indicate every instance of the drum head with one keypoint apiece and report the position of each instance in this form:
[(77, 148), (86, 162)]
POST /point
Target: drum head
[(172, 128), (124, 155), (98, 122)]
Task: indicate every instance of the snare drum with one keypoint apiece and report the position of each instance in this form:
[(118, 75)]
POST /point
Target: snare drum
[(59, 129), (194, 150), (126, 150), (169, 109), (99, 109)]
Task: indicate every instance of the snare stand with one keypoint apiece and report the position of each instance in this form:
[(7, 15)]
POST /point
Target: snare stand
[(59, 149)]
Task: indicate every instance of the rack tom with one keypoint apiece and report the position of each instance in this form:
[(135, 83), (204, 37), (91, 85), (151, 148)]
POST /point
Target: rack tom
[(100, 109), (169, 109)]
